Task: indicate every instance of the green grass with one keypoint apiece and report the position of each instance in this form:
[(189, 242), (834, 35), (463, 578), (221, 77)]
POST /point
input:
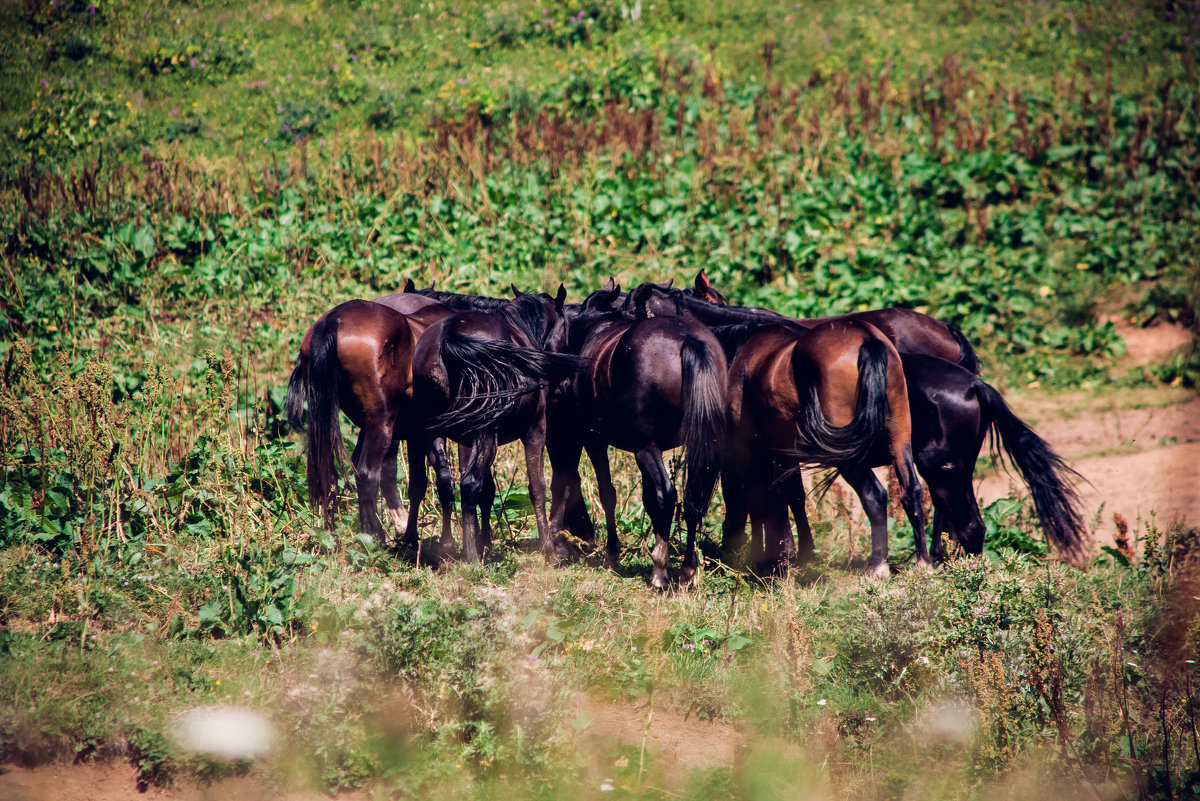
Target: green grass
[(1020, 170)]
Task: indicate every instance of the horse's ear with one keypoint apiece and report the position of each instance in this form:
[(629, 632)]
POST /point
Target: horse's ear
[(702, 285), (560, 298), (609, 285), (638, 298), (409, 287), (428, 288), (516, 292)]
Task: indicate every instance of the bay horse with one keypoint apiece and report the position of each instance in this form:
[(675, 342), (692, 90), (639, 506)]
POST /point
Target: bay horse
[(481, 379), (649, 386), (952, 412), (357, 358), (832, 396)]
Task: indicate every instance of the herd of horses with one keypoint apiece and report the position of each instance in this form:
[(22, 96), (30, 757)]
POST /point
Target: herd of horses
[(752, 397)]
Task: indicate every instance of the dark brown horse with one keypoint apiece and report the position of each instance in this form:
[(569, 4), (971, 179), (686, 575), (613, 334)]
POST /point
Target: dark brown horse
[(649, 386), (481, 379), (357, 358), (952, 413), (833, 396)]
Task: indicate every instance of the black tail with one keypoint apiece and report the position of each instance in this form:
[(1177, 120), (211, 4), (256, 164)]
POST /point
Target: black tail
[(703, 401), (1049, 477), (492, 376), (294, 405), (820, 444), (326, 450), (968, 359)]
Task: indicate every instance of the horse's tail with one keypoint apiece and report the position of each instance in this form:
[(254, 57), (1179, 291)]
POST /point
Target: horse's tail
[(1049, 477), (968, 359), (820, 444), (297, 388), (703, 401), (326, 450), (492, 375)]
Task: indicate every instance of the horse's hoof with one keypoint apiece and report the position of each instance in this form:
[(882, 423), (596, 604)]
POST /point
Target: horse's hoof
[(659, 581), (399, 519), (880, 571), (688, 578), (613, 563)]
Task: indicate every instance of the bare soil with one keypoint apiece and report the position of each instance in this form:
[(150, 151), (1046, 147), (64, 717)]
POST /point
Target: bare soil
[(1137, 451)]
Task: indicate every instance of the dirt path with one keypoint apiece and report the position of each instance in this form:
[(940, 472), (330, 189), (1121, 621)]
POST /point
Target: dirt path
[(1137, 450)]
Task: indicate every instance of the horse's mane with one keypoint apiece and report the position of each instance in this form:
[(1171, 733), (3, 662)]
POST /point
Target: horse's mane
[(460, 302), (528, 313)]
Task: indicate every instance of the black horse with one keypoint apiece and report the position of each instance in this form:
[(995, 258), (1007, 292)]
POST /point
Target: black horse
[(649, 386), (952, 411), (481, 379)]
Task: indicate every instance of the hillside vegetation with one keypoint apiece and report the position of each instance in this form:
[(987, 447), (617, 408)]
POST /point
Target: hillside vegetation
[(187, 188)]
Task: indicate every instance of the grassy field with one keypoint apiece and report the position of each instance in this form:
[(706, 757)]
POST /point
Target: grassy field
[(187, 188)]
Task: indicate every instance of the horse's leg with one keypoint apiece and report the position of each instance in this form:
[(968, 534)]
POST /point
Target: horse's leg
[(658, 496), (733, 528), (956, 511), (374, 442), (418, 483), (913, 501), (534, 443), (598, 453), (444, 486), (699, 486), (805, 548), (474, 477), (874, 501), (487, 499), (391, 487), (777, 531), (568, 510)]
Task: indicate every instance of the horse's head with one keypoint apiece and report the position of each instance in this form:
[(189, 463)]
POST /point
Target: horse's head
[(602, 300), (653, 300)]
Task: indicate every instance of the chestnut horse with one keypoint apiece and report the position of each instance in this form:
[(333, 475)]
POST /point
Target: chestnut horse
[(833, 396), (357, 357)]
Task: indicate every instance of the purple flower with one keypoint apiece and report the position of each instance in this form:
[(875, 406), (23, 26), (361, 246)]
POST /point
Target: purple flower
[(279, 109), (193, 62), (91, 8), (174, 112), (462, 81), (1125, 36), (322, 143)]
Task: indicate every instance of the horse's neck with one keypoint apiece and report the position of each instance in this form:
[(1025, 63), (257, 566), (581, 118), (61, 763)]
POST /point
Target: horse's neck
[(713, 314)]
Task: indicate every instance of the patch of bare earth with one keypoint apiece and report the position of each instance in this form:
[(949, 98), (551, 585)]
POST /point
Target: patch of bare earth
[(1138, 451), (117, 781)]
